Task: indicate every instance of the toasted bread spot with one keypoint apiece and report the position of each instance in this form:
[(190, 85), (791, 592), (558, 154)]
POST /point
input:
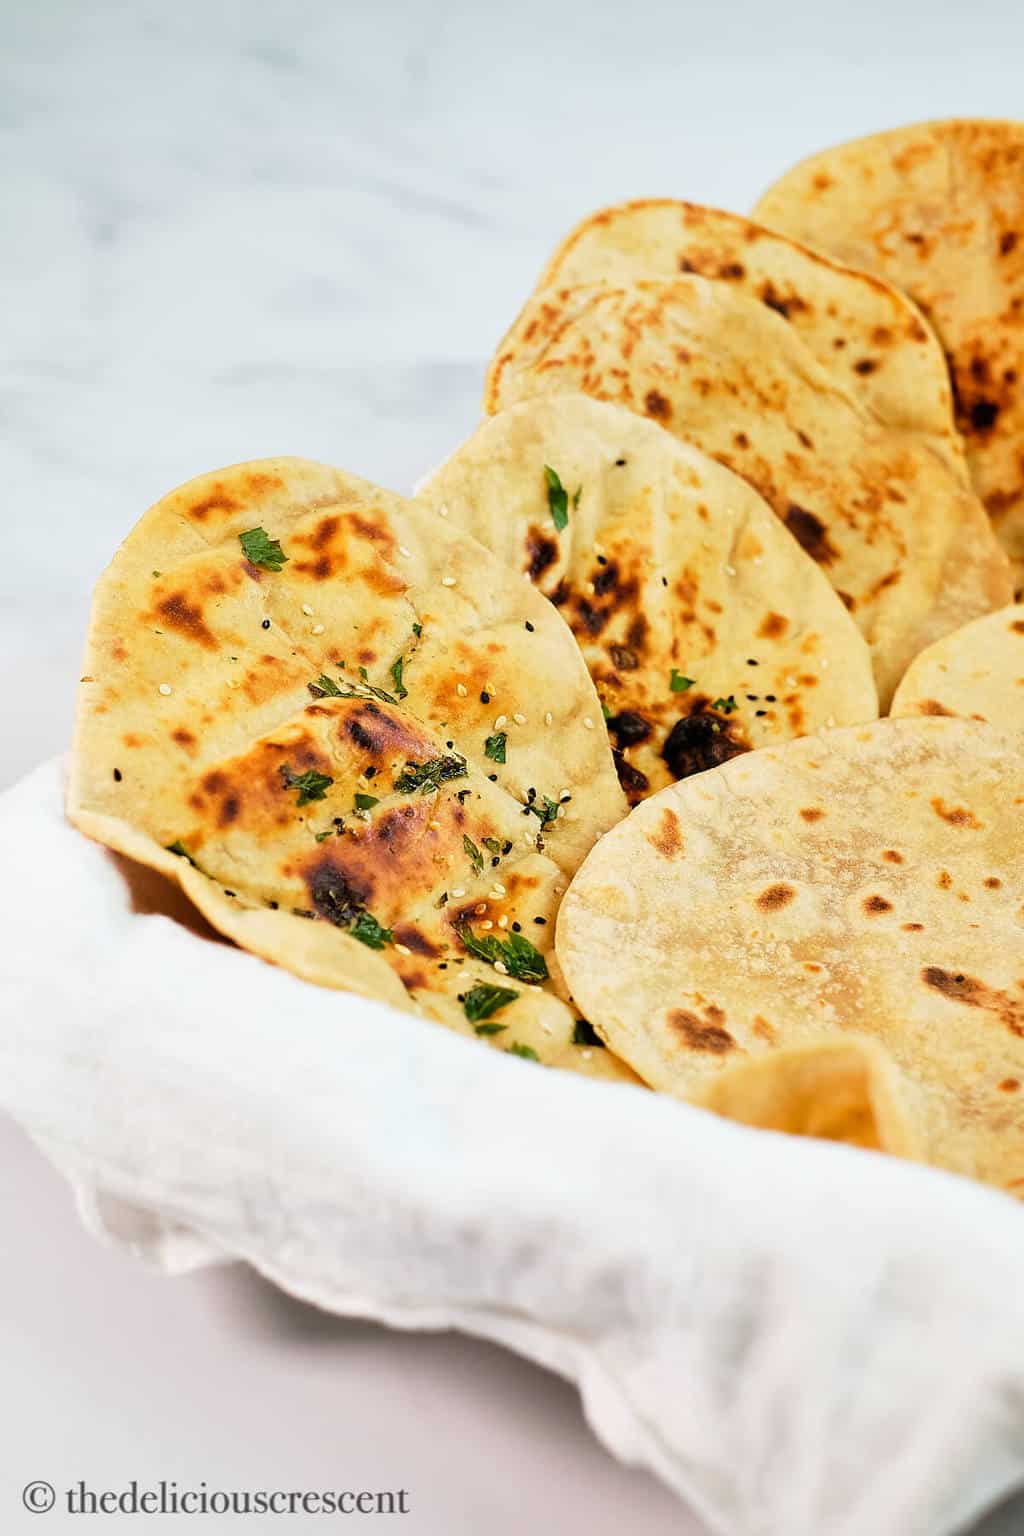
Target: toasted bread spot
[(812, 813), (773, 627), (702, 1035), (875, 905), (774, 897), (956, 815), (667, 837)]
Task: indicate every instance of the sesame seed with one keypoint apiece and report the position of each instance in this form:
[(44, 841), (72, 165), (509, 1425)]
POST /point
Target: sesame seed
[(487, 924), (588, 722), (460, 892), (318, 629), (460, 689), (443, 510), (830, 722), (559, 890), (501, 967), (307, 610), (824, 663), (589, 588), (502, 922), (586, 1055), (501, 720), (498, 889), (434, 826), (548, 717), (519, 719), (166, 690), (730, 570), (480, 908), (447, 581), (406, 552), (403, 949), (545, 1026)]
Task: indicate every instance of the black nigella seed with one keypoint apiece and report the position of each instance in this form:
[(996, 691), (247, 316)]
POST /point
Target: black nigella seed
[(529, 626), (117, 775), (517, 927), (541, 920), (266, 623), (485, 698), (493, 778)]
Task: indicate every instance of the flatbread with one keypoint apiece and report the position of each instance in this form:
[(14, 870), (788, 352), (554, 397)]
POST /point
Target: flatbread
[(843, 1090), (300, 740), (867, 882), (938, 209), (977, 672), (705, 626), (906, 545), (863, 331)]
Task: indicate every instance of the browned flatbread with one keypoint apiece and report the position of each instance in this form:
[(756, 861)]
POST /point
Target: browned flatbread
[(297, 731), (938, 209), (864, 883), (904, 542)]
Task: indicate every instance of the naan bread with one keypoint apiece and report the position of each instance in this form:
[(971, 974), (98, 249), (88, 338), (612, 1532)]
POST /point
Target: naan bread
[(705, 626), (864, 332), (291, 688), (938, 209), (907, 546), (977, 672), (868, 882), (843, 1090)]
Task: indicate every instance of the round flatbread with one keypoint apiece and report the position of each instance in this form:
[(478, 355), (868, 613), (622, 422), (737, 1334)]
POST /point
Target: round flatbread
[(977, 673), (868, 881), (904, 542), (863, 331), (705, 626), (291, 692), (938, 209)]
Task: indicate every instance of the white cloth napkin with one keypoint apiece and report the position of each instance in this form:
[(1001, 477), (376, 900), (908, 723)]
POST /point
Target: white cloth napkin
[(801, 1339)]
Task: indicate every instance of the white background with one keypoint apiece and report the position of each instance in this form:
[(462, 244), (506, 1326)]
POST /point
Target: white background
[(233, 230)]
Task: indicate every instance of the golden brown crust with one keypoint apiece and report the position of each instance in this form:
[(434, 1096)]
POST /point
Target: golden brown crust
[(895, 912), (907, 547), (264, 736), (937, 208)]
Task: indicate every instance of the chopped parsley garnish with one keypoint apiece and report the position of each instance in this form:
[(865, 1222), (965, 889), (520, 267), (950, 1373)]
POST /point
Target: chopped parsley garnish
[(606, 712), (369, 932), (484, 1000), (527, 1052), (310, 785), (322, 836), (678, 683), (417, 630), (548, 811), (576, 497), (179, 848), (431, 774), (727, 706), (258, 549), (494, 746), (521, 960), (365, 802), (476, 858), (401, 691), (558, 501), (493, 844), (326, 688), (584, 1033), (490, 1029)]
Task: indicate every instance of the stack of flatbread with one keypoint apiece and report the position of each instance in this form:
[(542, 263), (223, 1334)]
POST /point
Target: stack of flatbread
[(578, 750)]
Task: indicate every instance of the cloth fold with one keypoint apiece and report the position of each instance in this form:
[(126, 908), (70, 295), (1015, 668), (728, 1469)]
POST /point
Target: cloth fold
[(801, 1339)]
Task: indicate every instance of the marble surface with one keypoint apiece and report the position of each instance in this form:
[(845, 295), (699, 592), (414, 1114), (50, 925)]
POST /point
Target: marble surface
[(232, 230)]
